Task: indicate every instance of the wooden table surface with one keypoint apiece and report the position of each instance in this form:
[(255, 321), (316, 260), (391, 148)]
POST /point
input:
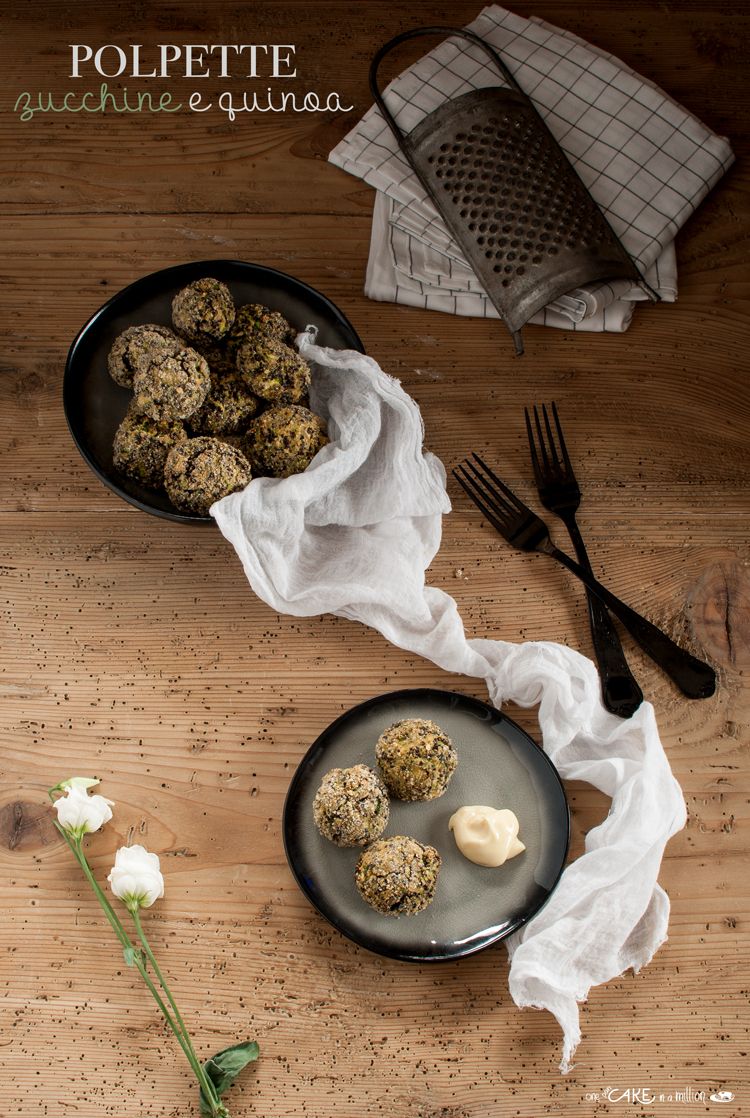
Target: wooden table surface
[(133, 648)]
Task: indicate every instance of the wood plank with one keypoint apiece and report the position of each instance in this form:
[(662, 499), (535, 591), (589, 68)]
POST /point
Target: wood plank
[(207, 163), (134, 647)]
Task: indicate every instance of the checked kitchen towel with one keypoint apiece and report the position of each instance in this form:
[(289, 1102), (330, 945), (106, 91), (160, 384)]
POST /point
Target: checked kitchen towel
[(647, 162), (353, 535)]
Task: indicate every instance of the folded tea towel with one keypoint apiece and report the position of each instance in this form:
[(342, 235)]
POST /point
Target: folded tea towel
[(647, 162), (353, 535)]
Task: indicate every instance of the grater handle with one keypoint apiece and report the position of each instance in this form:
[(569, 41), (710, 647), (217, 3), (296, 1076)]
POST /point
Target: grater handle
[(413, 34)]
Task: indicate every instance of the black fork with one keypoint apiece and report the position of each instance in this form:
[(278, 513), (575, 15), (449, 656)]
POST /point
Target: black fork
[(525, 530), (559, 492)]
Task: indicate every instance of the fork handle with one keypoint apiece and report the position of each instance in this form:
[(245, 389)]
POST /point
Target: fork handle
[(621, 693), (695, 678)]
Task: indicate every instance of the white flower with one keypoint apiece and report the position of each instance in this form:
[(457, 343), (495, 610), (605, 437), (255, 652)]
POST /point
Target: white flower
[(135, 877), (78, 812)]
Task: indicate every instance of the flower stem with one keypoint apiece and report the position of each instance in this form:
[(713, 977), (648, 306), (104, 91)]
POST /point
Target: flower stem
[(206, 1085), (77, 848), (184, 1041)]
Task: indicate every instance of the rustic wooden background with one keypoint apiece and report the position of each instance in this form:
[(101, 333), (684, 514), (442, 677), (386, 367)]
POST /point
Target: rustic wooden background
[(133, 648)]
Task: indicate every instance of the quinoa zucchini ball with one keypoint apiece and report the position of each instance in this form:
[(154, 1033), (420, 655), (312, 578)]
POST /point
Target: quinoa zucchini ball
[(398, 876), (272, 370), (203, 311), (132, 349), (254, 318), (227, 409), (351, 806), (416, 759), (215, 353), (201, 471), (142, 445), (173, 384), (283, 441)]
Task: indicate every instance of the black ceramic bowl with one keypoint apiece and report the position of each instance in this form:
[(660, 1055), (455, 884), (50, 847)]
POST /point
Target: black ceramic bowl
[(498, 765), (94, 405)]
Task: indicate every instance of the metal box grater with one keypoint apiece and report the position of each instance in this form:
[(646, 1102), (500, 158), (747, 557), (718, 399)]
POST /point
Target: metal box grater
[(502, 184)]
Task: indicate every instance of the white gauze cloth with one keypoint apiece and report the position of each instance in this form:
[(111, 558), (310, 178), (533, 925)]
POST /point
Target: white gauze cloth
[(353, 535)]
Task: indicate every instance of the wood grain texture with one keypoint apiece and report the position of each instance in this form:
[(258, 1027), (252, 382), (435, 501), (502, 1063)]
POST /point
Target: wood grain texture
[(133, 648)]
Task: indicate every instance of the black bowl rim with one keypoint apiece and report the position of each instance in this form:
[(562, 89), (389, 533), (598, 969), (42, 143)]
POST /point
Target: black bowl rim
[(173, 270), (498, 717)]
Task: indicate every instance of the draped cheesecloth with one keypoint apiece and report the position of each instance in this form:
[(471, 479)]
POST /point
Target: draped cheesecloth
[(353, 535)]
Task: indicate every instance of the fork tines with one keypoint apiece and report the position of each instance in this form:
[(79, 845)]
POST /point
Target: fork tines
[(554, 453), (499, 505), (502, 508), (492, 496)]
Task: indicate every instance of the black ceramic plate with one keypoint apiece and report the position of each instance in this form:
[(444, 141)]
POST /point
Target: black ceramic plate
[(499, 765), (95, 405)]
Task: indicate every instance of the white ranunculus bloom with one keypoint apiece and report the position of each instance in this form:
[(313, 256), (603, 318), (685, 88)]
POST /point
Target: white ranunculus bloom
[(78, 812), (135, 877)]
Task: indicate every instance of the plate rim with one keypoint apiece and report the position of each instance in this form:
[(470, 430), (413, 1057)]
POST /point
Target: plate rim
[(187, 266), (420, 693)]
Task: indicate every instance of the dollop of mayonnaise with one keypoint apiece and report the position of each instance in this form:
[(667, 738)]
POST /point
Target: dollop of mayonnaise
[(487, 836)]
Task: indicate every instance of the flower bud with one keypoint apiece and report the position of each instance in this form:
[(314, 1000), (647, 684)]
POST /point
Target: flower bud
[(78, 812), (135, 877)]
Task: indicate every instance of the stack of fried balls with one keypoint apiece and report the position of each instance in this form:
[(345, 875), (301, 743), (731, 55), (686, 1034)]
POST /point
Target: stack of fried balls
[(219, 398)]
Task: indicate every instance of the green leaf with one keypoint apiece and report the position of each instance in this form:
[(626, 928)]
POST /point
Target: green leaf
[(223, 1068), (134, 955)]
